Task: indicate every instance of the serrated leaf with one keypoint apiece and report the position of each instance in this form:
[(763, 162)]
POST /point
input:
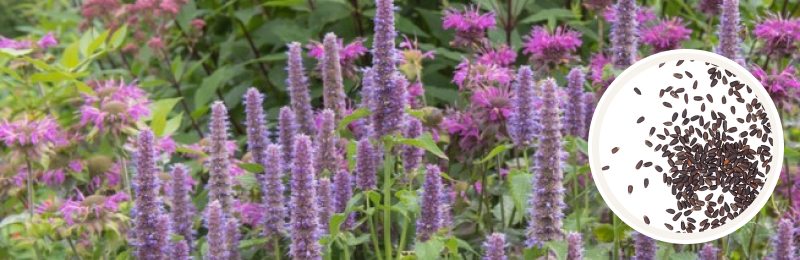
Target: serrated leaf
[(173, 125), (519, 185), (425, 141), (430, 249), (98, 42), (70, 57), (251, 167), (248, 180), (355, 115), (119, 36), (161, 109), (497, 150), (210, 84)]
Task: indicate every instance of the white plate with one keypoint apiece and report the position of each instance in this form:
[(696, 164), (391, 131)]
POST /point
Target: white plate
[(615, 125)]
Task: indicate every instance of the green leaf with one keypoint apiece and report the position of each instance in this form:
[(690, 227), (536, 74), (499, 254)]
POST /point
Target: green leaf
[(519, 185), (497, 150), (430, 249), (357, 114), (405, 26), (604, 232), (83, 88), (791, 154), (354, 241), (549, 15), (210, 84), (251, 167), (161, 109), (245, 15), (70, 57), (175, 237), (328, 12), (190, 151), (416, 113), (285, 3), (119, 36), (248, 180), (252, 242), (50, 76), (16, 218), (98, 42), (581, 144), (173, 125), (336, 223), (425, 141), (11, 53)]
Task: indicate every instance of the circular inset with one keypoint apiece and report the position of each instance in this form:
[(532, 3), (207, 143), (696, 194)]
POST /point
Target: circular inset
[(681, 146)]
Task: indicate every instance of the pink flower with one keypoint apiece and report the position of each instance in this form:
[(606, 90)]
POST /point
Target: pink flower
[(555, 48), (410, 58), (347, 54), (666, 34), (76, 166), (198, 24), (117, 105), (83, 208), (470, 25), (471, 75), (502, 56), (779, 35), (6, 43), (156, 44), (462, 127), (170, 7), (250, 213), (596, 65), (32, 138), (492, 105), (783, 86), (47, 41), (53, 177)]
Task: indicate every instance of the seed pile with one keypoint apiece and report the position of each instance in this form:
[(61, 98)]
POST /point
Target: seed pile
[(702, 153)]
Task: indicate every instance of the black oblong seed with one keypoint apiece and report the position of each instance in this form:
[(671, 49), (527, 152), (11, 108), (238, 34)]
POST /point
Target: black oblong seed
[(698, 98), (658, 168), (677, 216), (630, 189), (694, 86), (679, 63), (688, 74), (648, 164), (614, 150), (648, 143), (668, 226), (710, 99), (640, 120), (606, 167), (646, 182), (661, 65), (667, 104), (713, 82), (646, 220), (674, 116), (637, 91), (677, 75), (671, 211), (639, 164), (733, 110), (652, 131)]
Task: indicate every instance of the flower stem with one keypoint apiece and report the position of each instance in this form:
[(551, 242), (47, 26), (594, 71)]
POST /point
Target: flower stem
[(30, 186), (616, 236), (388, 167), (277, 249), (752, 236), (372, 231)]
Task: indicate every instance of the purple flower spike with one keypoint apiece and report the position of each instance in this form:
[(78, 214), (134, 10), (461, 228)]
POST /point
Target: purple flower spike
[(297, 86), (257, 139), (181, 251), (574, 114), (327, 156), (304, 209), (342, 193), (470, 25), (430, 218), (216, 237), (783, 242), (729, 30), (555, 48), (412, 155), (274, 202), (366, 168), (219, 183), (389, 98), (232, 238), (588, 99), (645, 247), (182, 208), (494, 247), (286, 133), (162, 236), (325, 203), (666, 34), (333, 90), (709, 7), (574, 247), (148, 205), (547, 199), (521, 122), (624, 34), (709, 252)]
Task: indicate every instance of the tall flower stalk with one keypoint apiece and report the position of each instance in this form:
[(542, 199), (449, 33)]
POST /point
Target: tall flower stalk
[(574, 113), (297, 86), (783, 242), (232, 239), (286, 132), (274, 202), (574, 247), (327, 157), (494, 247), (389, 98), (624, 34), (709, 252), (216, 237), (547, 199), (325, 203), (219, 182), (729, 30), (332, 87), (412, 155), (304, 208), (521, 122), (342, 193), (430, 217), (645, 247), (366, 167), (182, 208), (148, 205)]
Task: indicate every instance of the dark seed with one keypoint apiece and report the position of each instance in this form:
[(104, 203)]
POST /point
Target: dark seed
[(671, 211), (694, 86), (698, 98), (658, 168), (668, 226), (677, 75), (679, 63), (688, 74), (640, 120), (733, 110), (606, 167), (713, 83), (648, 143), (639, 164), (646, 182), (630, 189), (648, 164), (677, 216), (646, 220), (667, 104), (661, 65), (710, 99), (637, 91), (652, 131)]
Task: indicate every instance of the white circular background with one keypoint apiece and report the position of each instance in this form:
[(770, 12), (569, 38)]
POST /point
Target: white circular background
[(614, 125)]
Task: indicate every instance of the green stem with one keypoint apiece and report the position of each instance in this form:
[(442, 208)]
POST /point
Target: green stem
[(277, 249), (372, 231), (388, 167), (616, 236), (72, 245), (125, 175), (30, 187), (752, 236), (403, 237), (575, 187)]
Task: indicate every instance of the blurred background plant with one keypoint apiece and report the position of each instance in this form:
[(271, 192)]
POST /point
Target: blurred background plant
[(80, 79)]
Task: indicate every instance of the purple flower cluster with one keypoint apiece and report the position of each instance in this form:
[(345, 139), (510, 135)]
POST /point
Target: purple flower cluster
[(645, 247), (216, 237), (182, 208), (47, 41), (348, 54), (342, 193), (286, 132), (430, 218), (117, 106), (388, 98), (783, 242), (470, 25), (709, 252), (412, 155), (366, 166), (326, 157), (624, 31), (325, 203), (780, 35), (31, 138), (574, 247), (232, 238), (521, 122), (783, 86), (297, 86), (475, 75), (555, 48), (148, 204), (219, 182), (305, 228), (274, 202), (666, 34), (494, 247), (729, 31), (574, 121), (332, 87), (547, 199), (709, 7)]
